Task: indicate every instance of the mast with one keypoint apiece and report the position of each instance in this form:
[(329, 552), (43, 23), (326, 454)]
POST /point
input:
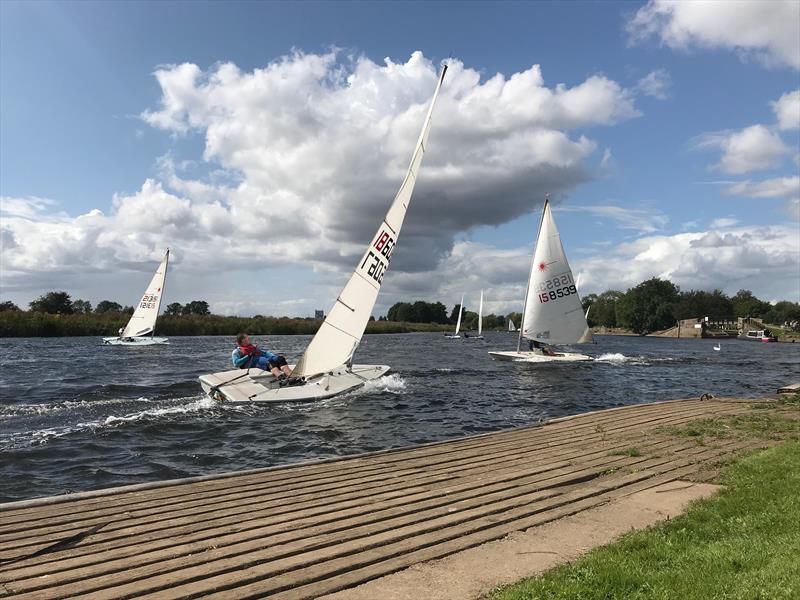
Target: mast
[(480, 315), (528, 285)]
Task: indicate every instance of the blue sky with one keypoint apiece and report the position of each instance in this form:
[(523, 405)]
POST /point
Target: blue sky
[(672, 149)]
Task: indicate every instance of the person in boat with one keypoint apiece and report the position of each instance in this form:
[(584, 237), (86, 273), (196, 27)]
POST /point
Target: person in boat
[(545, 349), (248, 355)]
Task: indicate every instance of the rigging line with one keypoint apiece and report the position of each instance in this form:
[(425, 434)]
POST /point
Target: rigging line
[(369, 281), (390, 228), (342, 330), (343, 303)]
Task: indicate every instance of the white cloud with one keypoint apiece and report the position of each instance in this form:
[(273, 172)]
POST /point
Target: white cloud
[(305, 156), (723, 222), (787, 109), (779, 187), (763, 259), (655, 84), (752, 149), (642, 220), (768, 30)]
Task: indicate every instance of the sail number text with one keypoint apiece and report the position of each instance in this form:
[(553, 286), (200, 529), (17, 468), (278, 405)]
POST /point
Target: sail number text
[(149, 301), (374, 262), (555, 288)]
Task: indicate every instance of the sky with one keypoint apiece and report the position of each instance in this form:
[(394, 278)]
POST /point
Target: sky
[(262, 142)]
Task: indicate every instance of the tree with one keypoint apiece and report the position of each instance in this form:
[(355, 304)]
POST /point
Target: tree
[(81, 307), (173, 310), (8, 305), (784, 312), (105, 306), (648, 306), (53, 303), (603, 311), (747, 305), (454, 314), (697, 303), (196, 307)]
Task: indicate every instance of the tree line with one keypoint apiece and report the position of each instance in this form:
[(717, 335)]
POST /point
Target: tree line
[(652, 305), (657, 304)]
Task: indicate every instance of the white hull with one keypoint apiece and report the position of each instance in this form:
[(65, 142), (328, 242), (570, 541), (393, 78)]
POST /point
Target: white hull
[(538, 357), (255, 385), (137, 341), (453, 337)]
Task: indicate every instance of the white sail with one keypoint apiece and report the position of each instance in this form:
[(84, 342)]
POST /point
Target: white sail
[(460, 312), (143, 320), (480, 315), (343, 327), (553, 313), (511, 326)]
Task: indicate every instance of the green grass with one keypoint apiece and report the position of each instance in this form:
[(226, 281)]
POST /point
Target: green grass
[(742, 544), (627, 452), (763, 425)]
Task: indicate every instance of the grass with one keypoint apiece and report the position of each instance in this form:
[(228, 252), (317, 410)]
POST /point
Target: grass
[(627, 452), (741, 544)]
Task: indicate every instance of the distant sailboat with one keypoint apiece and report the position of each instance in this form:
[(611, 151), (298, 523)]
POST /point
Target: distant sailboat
[(454, 336), (552, 313), (143, 321), (480, 319), (511, 326), (325, 369)]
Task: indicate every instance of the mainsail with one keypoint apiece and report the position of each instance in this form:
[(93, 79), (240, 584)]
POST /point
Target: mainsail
[(460, 312), (480, 315), (341, 331), (553, 313), (143, 320), (511, 326)]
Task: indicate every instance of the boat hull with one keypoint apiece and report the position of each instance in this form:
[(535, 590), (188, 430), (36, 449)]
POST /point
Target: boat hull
[(137, 341), (255, 385), (538, 357)]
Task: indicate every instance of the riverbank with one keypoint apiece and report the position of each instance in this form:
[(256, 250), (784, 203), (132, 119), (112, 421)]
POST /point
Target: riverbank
[(316, 528), (741, 543), (33, 324)]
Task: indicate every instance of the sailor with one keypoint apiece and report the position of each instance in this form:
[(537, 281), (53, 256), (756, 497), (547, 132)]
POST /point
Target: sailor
[(247, 355)]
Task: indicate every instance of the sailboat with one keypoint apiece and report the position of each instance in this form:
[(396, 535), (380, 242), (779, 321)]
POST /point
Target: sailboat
[(326, 368), (552, 313), (511, 326), (455, 336), (480, 319), (143, 321)]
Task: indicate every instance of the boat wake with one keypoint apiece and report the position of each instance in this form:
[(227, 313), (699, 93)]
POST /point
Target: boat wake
[(35, 437), (391, 384), (618, 358)]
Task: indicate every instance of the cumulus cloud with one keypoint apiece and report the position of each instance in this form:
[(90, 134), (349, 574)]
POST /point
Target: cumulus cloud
[(302, 158), (723, 222), (768, 30), (727, 257), (751, 149), (787, 109), (655, 84)]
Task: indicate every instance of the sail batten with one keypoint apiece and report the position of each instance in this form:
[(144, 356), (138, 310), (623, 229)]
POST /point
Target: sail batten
[(332, 346), (553, 313), (143, 320)]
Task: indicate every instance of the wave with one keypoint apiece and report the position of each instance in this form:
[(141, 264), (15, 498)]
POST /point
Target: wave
[(392, 384), (26, 410)]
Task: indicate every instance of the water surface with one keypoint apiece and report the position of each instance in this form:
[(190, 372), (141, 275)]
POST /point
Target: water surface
[(75, 415)]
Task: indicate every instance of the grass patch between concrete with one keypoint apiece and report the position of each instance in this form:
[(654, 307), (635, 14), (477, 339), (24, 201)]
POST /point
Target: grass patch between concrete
[(741, 544)]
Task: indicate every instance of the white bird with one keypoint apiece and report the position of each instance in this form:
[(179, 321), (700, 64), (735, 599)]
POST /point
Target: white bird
[(718, 347)]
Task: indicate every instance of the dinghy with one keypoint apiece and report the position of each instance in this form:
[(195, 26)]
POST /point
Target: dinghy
[(143, 321), (455, 336), (325, 369), (511, 327), (480, 320), (552, 313)]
